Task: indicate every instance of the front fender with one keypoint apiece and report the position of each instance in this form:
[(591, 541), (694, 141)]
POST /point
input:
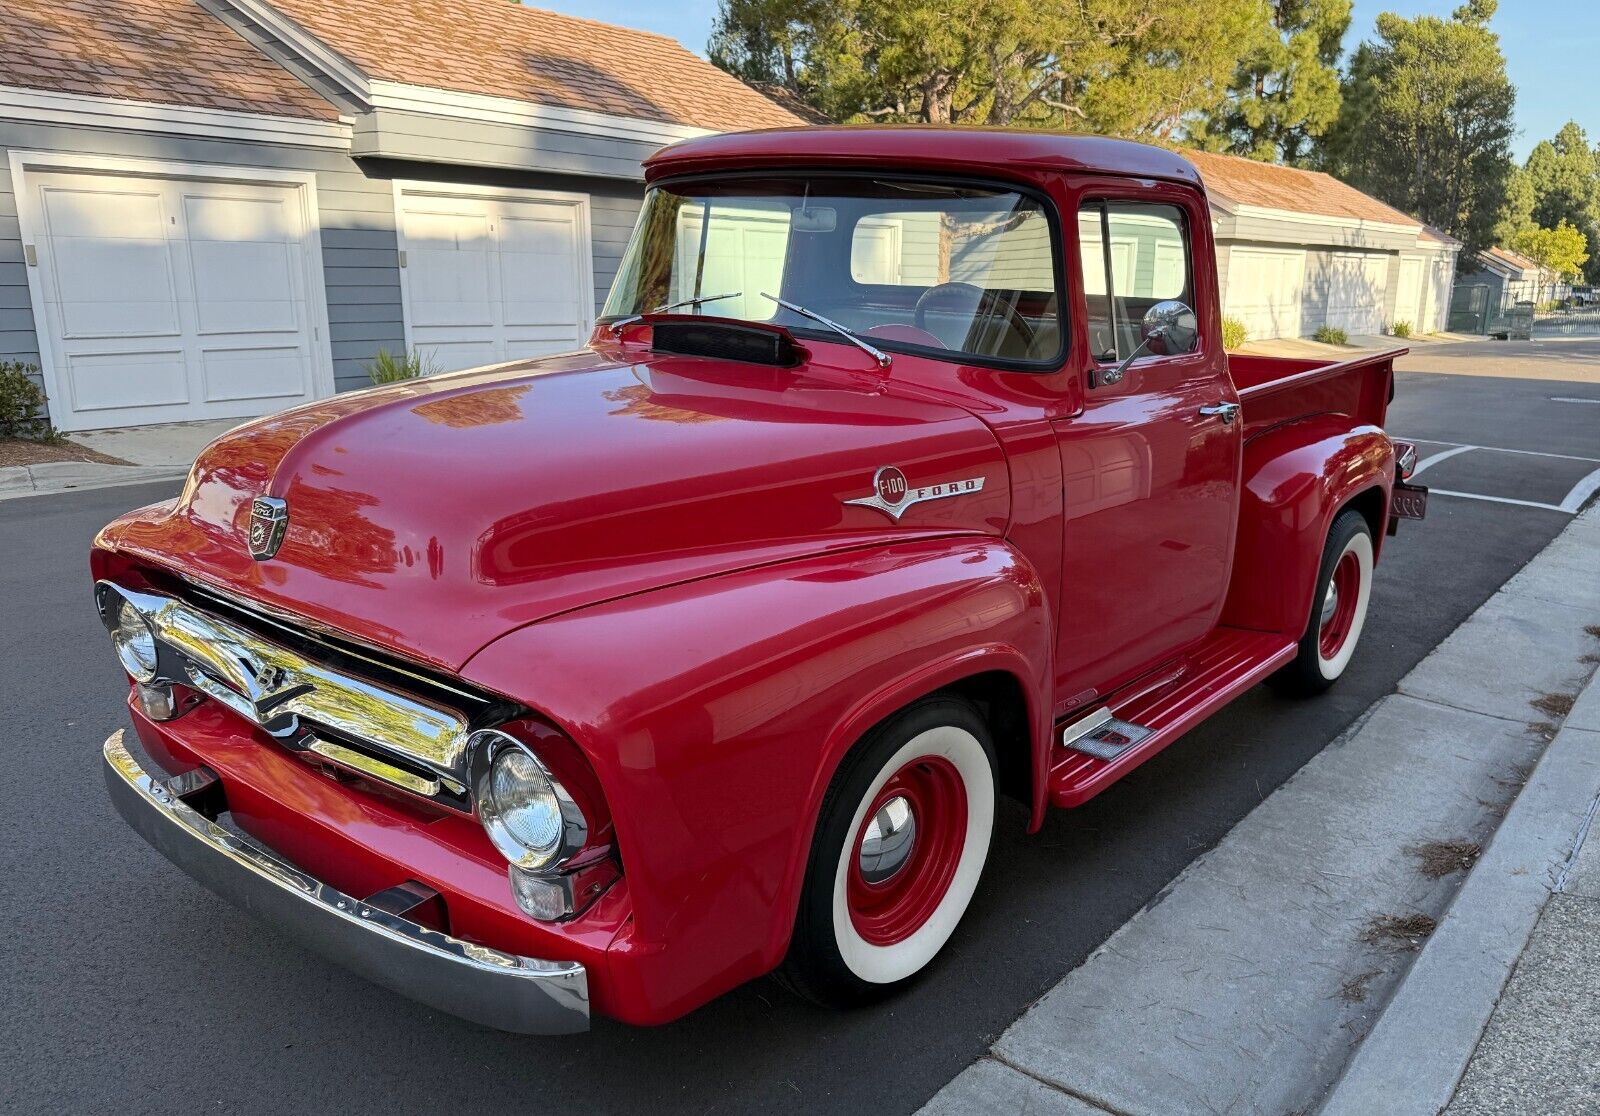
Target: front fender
[(715, 713), (1296, 479)]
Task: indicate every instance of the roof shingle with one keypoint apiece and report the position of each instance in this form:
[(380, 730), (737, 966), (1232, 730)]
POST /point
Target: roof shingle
[(166, 51), (499, 49), (1271, 186)]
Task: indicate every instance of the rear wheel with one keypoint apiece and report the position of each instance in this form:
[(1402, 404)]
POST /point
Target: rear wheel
[(900, 844), (1339, 612)]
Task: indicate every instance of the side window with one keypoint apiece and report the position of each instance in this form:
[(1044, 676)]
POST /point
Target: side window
[(1133, 256)]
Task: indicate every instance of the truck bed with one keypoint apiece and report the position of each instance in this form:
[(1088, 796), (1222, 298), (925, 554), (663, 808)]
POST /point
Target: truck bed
[(1277, 390)]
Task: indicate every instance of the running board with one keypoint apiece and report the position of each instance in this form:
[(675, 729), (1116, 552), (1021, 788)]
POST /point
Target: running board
[(1098, 749)]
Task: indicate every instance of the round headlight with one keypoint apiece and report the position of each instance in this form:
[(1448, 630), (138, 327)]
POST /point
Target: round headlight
[(520, 807), (135, 643)]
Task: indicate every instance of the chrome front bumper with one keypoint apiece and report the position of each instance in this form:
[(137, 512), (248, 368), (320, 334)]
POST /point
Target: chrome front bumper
[(496, 989)]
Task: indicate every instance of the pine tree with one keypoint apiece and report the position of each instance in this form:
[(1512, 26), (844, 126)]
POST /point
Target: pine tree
[(1426, 121), (1286, 93)]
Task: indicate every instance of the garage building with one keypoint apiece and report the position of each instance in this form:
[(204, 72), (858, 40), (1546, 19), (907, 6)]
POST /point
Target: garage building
[(1298, 249), (217, 209)]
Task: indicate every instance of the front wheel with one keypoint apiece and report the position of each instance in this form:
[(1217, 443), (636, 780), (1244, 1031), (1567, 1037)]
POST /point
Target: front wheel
[(900, 843), (1344, 588)]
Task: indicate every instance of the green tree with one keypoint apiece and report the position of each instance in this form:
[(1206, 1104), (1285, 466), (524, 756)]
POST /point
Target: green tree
[(1562, 177), (1286, 92), (1426, 121), (1562, 250), (1125, 67)]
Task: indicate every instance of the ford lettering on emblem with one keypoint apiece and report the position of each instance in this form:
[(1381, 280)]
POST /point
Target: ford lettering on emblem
[(269, 518), (894, 497)]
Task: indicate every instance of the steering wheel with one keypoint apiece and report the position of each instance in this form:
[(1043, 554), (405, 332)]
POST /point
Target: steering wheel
[(966, 297)]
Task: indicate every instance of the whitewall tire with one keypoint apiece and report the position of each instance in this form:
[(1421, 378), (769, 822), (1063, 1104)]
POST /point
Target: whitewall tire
[(900, 845)]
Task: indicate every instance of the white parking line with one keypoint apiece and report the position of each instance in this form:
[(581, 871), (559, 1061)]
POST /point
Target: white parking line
[(1569, 399), (1502, 449), (1497, 499), (1435, 458), (1569, 505)]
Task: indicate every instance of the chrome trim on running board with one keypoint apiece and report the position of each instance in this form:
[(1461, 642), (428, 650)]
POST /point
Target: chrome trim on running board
[(502, 990)]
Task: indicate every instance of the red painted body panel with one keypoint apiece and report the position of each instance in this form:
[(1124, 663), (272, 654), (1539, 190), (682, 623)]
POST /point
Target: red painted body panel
[(487, 500), (654, 553), (716, 713)]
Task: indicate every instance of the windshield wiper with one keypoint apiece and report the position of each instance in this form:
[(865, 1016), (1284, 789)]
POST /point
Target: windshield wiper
[(876, 354), (699, 300)]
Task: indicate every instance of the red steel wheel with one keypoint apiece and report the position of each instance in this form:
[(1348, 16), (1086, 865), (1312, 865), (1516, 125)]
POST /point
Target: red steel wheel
[(900, 843), (1339, 608), (1339, 605), (907, 850)]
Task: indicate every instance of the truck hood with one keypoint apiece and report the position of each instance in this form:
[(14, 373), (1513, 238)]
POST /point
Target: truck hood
[(431, 517)]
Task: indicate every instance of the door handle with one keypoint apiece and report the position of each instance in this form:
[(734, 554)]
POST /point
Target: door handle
[(1226, 411)]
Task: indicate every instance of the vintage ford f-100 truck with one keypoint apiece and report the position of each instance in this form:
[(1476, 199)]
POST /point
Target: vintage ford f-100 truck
[(904, 469)]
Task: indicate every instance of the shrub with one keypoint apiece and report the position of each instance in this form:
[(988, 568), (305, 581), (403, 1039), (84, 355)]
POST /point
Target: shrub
[(386, 368), (1234, 333), (1329, 335), (21, 403), (1401, 329)]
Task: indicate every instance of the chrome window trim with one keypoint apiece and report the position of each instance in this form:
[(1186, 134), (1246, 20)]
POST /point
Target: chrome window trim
[(276, 688)]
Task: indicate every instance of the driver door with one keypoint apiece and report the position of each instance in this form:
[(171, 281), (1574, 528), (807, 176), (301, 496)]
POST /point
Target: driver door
[(1151, 480)]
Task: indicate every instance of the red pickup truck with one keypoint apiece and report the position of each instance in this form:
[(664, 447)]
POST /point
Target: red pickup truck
[(904, 469)]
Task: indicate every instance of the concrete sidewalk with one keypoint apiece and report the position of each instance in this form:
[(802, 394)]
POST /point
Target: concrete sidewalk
[(1498, 1013), (1358, 344), (1249, 983), (70, 476), (162, 452)]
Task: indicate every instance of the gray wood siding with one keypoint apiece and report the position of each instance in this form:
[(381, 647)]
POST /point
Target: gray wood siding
[(414, 136), (1310, 234)]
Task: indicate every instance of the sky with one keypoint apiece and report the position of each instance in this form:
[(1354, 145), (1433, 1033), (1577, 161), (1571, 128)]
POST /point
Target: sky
[(1551, 47)]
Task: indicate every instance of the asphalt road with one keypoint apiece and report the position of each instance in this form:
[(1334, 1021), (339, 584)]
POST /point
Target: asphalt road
[(127, 987)]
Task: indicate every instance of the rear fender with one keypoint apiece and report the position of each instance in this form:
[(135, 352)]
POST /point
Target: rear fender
[(1296, 479), (716, 712)]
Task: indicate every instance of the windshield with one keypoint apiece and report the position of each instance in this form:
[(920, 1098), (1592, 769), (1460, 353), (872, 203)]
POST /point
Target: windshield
[(965, 272)]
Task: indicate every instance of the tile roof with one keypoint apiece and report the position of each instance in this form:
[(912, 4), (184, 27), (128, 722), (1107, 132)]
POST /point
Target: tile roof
[(507, 50), (167, 51), (1270, 186)]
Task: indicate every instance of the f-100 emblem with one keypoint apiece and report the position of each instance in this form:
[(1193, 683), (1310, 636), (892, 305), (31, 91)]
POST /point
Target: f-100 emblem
[(894, 497)]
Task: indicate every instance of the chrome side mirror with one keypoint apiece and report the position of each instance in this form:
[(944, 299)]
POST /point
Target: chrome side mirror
[(1170, 329)]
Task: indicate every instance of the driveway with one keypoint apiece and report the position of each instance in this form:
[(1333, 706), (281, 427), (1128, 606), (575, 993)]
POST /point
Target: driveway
[(132, 989)]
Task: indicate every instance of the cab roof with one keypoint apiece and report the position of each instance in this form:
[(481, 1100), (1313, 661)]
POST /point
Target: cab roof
[(926, 147)]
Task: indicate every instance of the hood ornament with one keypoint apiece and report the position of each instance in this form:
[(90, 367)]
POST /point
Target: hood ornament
[(894, 497), (269, 518)]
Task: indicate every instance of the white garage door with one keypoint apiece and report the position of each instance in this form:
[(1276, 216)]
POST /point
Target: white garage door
[(1409, 305), (1266, 288), (167, 300), (1355, 291), (493, 275)]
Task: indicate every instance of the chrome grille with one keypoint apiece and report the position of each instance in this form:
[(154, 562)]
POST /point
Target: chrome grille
[(304, 702)]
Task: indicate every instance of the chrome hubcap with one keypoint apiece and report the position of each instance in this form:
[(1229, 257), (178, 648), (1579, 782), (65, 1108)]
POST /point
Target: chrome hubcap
[(1330, 603), (887, 844)]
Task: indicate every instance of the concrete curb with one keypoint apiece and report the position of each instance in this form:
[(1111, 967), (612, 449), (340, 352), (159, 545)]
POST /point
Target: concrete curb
[(75, 476), (1414, 1057)]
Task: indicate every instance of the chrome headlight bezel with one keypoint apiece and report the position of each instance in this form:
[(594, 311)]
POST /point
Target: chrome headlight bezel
[(132, 636), (492, 747)]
